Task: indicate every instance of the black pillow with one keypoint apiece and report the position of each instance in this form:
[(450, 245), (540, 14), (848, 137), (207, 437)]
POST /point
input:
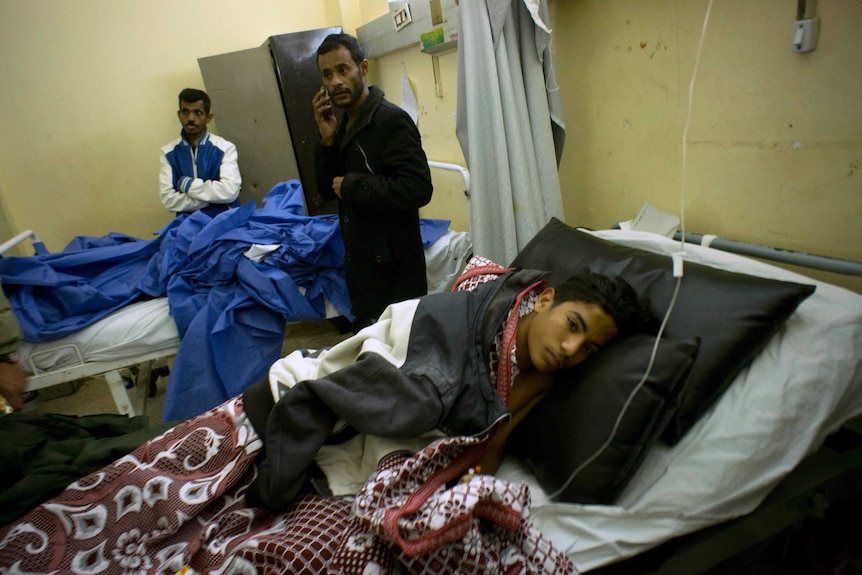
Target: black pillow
[(733, 314), (574, 422)]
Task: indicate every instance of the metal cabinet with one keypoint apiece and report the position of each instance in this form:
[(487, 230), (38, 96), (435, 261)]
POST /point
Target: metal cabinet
[(261, 101)]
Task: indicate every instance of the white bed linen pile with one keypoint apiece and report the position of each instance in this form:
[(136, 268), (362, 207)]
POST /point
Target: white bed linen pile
[(800, 388)]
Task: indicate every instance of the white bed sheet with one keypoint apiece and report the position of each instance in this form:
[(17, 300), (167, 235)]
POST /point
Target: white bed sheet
[(137, 328), (803, 386)]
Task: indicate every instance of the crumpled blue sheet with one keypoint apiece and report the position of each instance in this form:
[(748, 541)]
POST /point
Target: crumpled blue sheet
[(230, 311), (55, 294)]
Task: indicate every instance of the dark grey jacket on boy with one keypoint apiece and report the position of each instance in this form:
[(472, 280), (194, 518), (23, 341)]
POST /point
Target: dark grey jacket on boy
[(423, 366)]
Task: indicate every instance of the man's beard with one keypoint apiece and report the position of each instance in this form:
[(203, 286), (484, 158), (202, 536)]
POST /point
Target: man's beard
[(354, 96)]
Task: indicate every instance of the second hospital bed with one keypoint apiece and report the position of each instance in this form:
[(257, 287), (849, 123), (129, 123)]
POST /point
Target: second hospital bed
[(130, 347)]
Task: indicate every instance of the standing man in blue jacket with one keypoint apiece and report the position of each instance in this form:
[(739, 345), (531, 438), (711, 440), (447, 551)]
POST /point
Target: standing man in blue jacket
[(372, 162), (199, 170)]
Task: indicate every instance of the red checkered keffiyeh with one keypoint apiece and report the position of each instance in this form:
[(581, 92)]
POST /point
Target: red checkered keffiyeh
[(478, 525)]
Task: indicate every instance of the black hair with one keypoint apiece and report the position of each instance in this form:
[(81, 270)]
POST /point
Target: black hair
[(613, 294), (192, 95), (335, 41)]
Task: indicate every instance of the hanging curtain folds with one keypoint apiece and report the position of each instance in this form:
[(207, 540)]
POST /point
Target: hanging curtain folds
[(509, 122)]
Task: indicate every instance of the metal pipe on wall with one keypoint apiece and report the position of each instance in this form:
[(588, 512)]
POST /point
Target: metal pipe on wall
[(824, 263)]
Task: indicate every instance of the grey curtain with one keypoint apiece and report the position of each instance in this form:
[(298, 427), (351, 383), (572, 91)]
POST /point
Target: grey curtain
[(509, 122)]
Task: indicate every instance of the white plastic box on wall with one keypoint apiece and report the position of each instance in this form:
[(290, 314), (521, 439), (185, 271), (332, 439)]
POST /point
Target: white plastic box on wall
[(379, 37)]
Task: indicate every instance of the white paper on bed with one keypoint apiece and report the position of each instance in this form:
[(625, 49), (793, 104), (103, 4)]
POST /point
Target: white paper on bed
[(799, 389)]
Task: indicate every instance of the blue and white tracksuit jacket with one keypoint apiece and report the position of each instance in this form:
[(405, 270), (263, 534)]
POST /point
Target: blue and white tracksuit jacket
[(205, 178), (422, 368)]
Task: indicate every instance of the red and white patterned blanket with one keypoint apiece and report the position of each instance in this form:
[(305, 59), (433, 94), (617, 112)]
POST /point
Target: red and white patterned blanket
[(179, 500)]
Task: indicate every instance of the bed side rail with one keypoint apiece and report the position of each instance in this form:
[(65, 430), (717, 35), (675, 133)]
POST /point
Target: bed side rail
[(20, 238)]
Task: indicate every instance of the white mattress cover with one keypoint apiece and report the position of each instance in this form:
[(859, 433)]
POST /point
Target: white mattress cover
[(128, 332), (800, 388), (445, 259)]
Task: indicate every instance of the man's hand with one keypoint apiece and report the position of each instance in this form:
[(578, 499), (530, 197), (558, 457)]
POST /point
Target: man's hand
[(336, 185), (12, 381), (325, 117)]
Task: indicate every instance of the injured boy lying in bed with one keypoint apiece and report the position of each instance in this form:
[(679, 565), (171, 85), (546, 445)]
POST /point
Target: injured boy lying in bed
[(467, 363)]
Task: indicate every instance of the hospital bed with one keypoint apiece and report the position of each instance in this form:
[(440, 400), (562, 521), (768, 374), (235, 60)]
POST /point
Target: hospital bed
[(756, 373), (127, 346), (130, 348), (764, 449)]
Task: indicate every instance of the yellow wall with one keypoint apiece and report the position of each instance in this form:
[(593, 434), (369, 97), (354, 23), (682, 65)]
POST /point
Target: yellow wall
[(775, 140), (88, 96), (89, 88)]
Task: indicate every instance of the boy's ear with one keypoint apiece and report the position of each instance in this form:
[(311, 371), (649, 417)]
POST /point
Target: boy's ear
[(546, 299)]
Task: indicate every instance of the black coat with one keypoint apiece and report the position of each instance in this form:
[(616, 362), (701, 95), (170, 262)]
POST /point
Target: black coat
[(386, 181)]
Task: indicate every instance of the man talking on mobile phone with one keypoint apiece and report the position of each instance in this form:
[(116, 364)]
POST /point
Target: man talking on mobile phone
[(372, 162)]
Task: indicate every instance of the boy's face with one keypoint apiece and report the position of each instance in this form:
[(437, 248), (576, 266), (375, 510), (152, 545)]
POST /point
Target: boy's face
[(562, 336)]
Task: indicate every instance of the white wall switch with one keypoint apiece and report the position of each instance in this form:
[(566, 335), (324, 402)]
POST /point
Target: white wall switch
[(805, 35)]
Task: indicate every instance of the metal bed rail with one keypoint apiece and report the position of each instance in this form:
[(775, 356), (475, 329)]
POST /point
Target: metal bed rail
[(454, 168), (28, 234), (824, 263)]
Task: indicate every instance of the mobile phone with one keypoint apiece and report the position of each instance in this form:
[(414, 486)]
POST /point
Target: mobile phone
[(327, 113)]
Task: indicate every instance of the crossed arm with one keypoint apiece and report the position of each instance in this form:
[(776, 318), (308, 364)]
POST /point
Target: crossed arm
[(198, 193)]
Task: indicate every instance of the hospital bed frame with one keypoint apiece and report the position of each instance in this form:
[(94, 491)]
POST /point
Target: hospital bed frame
[(121, 375), (829, 476), (116, 373), (132, 379)]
